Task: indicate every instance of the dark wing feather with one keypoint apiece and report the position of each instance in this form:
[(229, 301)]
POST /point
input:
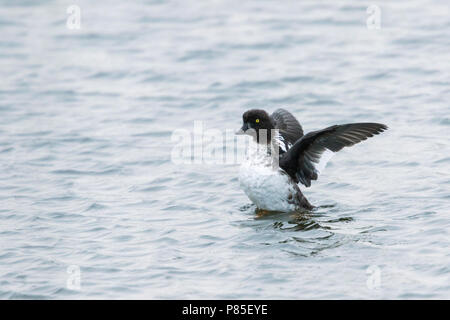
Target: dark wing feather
[(289, 127), (303, 161)]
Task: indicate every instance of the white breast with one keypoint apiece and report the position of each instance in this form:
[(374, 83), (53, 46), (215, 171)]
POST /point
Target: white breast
[(267, 187)]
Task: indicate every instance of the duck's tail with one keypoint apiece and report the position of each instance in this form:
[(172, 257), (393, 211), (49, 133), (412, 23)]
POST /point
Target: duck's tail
[(301, 200)]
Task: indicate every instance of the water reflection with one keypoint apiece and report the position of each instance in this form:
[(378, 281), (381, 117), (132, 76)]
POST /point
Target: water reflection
[(303, 233)]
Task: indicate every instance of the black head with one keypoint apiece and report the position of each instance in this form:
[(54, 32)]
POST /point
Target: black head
[(254, 121)]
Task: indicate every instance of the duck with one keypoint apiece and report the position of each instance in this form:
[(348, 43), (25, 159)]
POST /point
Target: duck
[(280, 156)]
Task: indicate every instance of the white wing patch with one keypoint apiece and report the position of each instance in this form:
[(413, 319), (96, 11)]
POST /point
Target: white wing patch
[(285, 146), (325, 157)]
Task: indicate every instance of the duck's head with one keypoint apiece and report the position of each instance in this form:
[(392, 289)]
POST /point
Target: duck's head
[(256, 123)]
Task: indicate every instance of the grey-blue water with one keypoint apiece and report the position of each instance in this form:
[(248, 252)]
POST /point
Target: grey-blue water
[(87, 182)]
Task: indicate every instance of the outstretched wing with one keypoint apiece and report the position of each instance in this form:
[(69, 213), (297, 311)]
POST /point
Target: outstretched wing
[(308, 156), (289, 128)]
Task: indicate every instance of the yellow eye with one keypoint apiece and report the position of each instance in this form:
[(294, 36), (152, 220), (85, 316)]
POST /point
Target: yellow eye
[(257, 120)]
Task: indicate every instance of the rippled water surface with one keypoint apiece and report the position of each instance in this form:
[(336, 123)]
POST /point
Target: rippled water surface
[(87, 178)]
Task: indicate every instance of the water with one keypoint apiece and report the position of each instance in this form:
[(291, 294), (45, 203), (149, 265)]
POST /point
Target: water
[(87, 181)]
